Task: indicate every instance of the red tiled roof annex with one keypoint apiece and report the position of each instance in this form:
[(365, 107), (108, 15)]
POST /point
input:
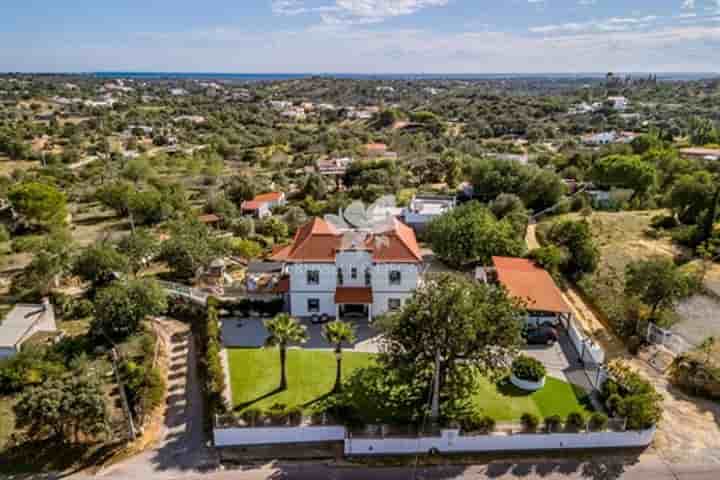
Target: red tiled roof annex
[(528, 282)]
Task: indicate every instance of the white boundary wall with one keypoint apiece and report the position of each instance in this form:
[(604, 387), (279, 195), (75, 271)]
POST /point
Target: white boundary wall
[(226, 437), (451, 442), (586, 348)]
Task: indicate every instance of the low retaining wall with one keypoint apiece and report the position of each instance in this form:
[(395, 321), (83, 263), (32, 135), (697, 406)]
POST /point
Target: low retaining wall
[(226, 437), (451, 442)]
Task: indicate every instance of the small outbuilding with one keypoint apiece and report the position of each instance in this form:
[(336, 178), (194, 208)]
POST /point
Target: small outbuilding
[(531, 284)]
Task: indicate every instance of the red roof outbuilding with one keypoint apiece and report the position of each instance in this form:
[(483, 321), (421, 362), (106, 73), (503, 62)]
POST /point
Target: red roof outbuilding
[(526, 281)]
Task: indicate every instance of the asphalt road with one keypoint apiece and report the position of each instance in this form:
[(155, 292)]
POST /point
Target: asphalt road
[(652, 469)]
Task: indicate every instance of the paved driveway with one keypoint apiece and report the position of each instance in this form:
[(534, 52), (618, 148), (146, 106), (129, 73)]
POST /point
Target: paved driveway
[(561, 361), (251, 333)]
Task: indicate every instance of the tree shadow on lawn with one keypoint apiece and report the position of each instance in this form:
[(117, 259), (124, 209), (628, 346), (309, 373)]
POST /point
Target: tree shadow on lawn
[(242, 406)]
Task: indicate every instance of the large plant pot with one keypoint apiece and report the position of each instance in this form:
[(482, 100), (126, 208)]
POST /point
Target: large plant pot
[(527, 385)]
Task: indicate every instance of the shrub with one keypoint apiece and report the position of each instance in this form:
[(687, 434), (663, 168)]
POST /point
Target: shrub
[(530, 421), (598, 422), (476, 422), (252, 416), (4, 234), (553, 423), (628, 394), (528, 368), (613, 403), (575, 421), (277, 413)]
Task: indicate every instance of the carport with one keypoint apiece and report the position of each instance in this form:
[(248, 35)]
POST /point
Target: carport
[(534, 286)]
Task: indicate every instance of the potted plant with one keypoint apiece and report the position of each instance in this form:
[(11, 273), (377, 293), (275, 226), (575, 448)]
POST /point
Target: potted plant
[(527, 373)]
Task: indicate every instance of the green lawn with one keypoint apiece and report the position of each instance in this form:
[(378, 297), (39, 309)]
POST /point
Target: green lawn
[(505, 402), (255, 375)]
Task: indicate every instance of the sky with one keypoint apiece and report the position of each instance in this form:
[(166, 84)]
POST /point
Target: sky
[(360, 36)]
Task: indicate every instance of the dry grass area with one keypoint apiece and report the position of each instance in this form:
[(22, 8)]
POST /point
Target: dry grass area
[(8, 166)]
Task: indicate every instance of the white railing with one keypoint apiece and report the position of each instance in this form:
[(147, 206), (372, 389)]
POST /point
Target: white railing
[(180, 290)]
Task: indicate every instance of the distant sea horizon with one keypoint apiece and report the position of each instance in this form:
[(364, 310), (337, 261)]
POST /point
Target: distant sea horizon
[(254, 77)]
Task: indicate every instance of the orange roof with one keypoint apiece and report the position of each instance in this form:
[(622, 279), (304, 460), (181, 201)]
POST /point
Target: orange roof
[(251, 205), (401, 245), (353, 295), (319, 241), (268, 197), (528, 282), (376, 146)]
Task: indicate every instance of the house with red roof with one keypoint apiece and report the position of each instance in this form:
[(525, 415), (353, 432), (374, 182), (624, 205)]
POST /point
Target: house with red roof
[(350, 272), (260, 206), (531, 284)]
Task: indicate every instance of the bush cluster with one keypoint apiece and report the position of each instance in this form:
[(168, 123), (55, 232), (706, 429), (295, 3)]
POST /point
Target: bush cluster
[(530, 421), (210, 361), (278, 414), (528, 368), (627, 394)]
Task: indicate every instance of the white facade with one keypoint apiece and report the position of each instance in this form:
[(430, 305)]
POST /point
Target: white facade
[(313, 285), (618, 103)]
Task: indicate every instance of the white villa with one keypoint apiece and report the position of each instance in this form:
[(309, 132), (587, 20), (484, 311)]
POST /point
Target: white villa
[(424, 208), (338, 272)]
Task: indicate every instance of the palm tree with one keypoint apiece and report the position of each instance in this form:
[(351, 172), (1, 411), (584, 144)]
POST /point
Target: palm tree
[(282, 330), (337, 333)]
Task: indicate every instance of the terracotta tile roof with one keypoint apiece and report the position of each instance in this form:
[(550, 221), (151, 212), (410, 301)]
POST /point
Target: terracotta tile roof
[(268, 197), (397, 243), (353, 295), (528, 282), (251, 205), (319, 241), (316, 241), (376, 147)]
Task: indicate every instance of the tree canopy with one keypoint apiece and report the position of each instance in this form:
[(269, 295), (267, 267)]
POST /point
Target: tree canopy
[(471, 234)]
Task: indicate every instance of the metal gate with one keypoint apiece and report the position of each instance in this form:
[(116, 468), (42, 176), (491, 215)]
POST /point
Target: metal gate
[(667, 338)]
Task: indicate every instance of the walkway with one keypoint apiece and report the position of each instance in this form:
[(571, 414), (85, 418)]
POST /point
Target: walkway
[(182, 447)]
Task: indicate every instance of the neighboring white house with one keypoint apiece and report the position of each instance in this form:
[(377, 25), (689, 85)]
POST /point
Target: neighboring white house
[(261, 205), (22, 322), (333, 166), (345, 272), (423, 208), (618, 103)]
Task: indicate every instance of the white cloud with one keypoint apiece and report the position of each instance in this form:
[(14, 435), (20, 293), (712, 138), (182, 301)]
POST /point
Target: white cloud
[(354, 11), (615, 24)]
